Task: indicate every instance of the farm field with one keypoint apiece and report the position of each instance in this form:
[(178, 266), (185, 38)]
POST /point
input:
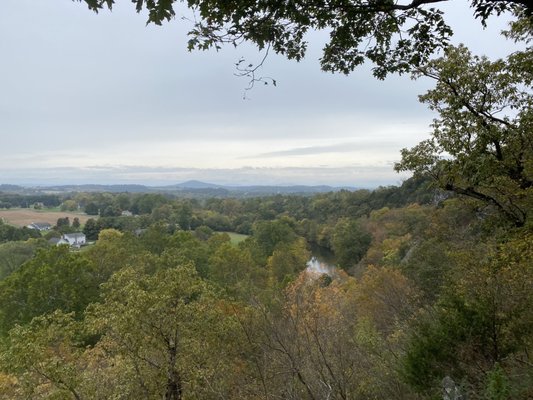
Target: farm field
[(25, 216), (236, 238)]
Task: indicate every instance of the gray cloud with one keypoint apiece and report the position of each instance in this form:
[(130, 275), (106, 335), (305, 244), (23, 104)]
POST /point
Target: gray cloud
[(75, 86), (335, 148), (367, 176)]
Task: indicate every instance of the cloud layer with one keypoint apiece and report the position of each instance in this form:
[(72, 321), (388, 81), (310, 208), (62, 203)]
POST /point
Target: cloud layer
[(80, 90)]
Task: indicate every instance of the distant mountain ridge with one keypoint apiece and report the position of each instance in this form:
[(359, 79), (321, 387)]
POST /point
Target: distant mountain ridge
[(259, 189), (9, 188), (191, 187), (194, 184)]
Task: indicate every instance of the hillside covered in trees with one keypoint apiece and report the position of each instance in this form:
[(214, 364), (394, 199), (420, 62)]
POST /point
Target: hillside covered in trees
[(422, 285)]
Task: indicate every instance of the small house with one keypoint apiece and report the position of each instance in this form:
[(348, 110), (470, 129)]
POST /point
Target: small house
[(76, 239), (40, 226)]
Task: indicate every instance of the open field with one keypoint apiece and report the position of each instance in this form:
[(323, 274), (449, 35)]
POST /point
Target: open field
[(236, 238), (25, 216)]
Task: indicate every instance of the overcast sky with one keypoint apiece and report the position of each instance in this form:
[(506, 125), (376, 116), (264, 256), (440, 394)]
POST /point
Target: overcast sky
[(88, 98)]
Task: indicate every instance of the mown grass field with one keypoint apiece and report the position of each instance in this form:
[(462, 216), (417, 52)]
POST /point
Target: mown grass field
[(236, 238), (25, 216)]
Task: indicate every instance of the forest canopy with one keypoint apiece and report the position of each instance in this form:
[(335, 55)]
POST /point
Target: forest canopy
[(420, 286)]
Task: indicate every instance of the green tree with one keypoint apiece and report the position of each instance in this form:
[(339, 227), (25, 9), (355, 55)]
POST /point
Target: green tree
[(350, 242), (269, 234), (45, 356), (91, 208), (69, 205), (497, 384), (183, 214), (185, 245), (110, 211), (170, 331), (288, 260), (146, 203), (63, 222), (53, 279), (203, 232), (156, 238), (122, 201), (394, 35), (14, 254), (54, 357), (217, 221), (92, 229), (113, 251), (234, 270), (10, 233), (481, 329), (481, 143)]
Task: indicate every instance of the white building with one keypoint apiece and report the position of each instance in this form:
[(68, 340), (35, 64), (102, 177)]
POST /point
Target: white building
[(77, 239), (40, 226)]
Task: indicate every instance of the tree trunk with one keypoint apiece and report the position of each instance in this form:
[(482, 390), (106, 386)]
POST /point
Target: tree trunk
[(174, 389)]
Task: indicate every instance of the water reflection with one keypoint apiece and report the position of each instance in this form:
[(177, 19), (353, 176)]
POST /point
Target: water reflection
[(323, 254), (315, 266)]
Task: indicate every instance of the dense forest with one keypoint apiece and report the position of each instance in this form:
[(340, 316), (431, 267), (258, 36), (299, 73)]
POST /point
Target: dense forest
[(423, 286)]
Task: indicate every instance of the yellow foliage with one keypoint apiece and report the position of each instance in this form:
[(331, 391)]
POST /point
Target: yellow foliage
[(8, 387), (109, 235), (386, 297)]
